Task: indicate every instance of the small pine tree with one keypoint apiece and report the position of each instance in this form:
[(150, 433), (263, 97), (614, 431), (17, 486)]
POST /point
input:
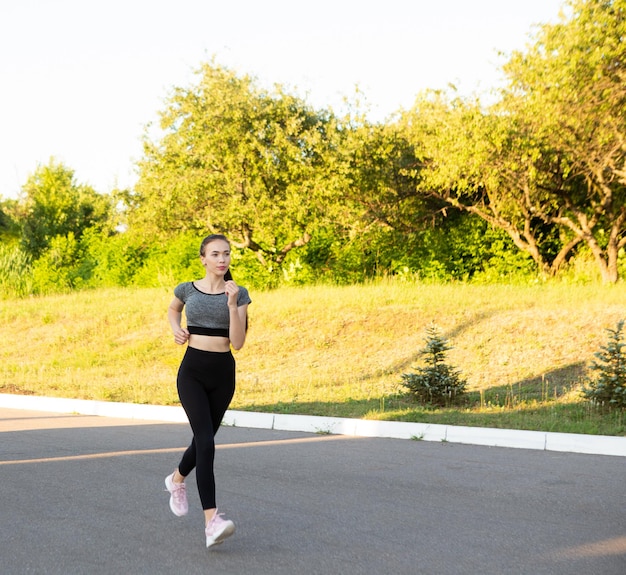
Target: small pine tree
[(608, 388), (437, 383)]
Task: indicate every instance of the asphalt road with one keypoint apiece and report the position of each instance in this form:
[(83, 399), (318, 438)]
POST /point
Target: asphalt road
[(85, 495)]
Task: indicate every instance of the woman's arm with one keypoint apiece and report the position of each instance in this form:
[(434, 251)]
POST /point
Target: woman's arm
[(237, 332), (238, 316), (174, 315)]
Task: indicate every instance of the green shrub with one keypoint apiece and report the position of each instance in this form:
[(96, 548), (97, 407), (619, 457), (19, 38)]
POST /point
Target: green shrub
[(608, 388), (113, 259), (437, 383), (59, 268), (169, 262)]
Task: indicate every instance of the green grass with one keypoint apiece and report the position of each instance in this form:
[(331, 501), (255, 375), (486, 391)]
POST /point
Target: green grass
[(335, 351)]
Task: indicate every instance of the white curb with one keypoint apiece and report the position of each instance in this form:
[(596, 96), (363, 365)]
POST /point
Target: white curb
[(492, 437)]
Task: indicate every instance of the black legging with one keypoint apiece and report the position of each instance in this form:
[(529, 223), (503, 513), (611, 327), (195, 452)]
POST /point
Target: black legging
[(206, 385)]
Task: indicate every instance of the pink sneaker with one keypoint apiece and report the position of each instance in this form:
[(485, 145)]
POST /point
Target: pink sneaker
[(218, 529), (178, 496)]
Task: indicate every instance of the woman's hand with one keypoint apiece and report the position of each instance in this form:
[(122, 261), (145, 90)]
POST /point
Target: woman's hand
[(231, 289), (181, 335)]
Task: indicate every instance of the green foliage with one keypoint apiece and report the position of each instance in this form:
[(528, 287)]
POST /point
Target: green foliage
[(9, 226), (437, 383), (15, 272), (55, 205), (459, 246), (132, 259), (608, 388), (451, 190), (567, 94), (60, 268), (545, 162), (169, 262), (116, 259), (252, 164), (384, 168)]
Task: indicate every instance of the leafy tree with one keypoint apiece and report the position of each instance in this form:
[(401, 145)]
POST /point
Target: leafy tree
[(546, 163), (256, 165), (569, 90), (402, 230), (383, 169), (53, 204), (480, 163)]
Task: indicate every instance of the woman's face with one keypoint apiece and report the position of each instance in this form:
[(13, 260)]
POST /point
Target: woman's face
[(216, 258)]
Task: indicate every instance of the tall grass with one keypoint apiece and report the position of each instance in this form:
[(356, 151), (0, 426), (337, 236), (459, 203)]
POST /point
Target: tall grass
[(333, 350), (15, 278)]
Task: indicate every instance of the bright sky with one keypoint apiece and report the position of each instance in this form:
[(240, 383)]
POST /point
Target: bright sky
[(81, 79)]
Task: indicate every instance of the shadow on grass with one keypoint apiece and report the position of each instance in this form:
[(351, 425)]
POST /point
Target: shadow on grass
[(548, 386), (563, 416), (546, 402), (407, 363)]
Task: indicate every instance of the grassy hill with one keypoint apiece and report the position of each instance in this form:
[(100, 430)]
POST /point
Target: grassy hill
[(333, 350)]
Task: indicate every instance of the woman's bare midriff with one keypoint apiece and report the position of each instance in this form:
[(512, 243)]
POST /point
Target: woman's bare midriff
[(209, 342)]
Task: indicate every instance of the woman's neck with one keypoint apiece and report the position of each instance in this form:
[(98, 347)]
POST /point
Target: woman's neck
[(211, 284)]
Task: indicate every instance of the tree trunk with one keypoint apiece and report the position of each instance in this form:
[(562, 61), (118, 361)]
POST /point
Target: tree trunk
[(612, 253), (559, 260), (601, 259)]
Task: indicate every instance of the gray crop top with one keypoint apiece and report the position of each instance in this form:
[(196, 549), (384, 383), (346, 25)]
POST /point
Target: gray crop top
[(207, 314)]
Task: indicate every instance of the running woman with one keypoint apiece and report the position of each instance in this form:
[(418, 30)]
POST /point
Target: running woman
[(216, 310)]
